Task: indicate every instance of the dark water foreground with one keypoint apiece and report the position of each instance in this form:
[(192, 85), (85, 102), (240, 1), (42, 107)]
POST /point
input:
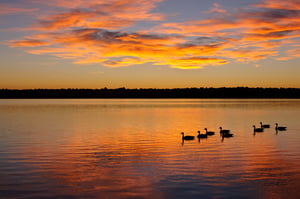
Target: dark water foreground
[(133, 149)]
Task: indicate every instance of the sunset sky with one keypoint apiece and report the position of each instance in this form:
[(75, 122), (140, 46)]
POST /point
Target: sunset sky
[(149, 43)]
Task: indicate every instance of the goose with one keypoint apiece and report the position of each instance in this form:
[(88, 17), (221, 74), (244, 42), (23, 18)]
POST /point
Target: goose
[(280, 128), (227, 135), (201, 135), (209, 132), (264, 125), (257, 129), (222, 131), (187, 137)]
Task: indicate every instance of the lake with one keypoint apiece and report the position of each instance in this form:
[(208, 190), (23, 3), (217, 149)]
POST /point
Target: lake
[(132, 148)]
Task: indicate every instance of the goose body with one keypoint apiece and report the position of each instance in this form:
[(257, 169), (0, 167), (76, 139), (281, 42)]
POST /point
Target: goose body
[(209, 132), (257, 129), (227, 135), (222, 131), (187, 137), (280, 128), (201, 135), (264, 125)]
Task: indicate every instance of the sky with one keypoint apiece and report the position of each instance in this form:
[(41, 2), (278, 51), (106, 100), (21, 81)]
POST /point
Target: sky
[(149, 43)]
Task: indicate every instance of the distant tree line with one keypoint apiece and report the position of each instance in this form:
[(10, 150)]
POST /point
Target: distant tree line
[(223, 92)]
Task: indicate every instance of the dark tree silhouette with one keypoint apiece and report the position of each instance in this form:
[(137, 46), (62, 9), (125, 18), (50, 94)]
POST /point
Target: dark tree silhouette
[(223, 92)]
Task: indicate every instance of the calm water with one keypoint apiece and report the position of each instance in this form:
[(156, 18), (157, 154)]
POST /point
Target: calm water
[(125, 148)]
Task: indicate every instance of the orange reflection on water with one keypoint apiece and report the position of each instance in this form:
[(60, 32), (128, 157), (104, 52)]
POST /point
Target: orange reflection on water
[(132, 169), (138, 152)]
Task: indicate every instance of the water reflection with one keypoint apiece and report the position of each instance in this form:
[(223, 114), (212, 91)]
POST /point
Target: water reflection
[(133, 151)]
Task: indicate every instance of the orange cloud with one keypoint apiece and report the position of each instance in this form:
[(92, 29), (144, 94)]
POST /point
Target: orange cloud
[(89, 60), (119, 49), (259, 28), (90, 32), (279, 4), (127, 61), (193, 62), (248, 55), (66, 3), (112, 14), (28, 43), (292, 52), (102, 46)]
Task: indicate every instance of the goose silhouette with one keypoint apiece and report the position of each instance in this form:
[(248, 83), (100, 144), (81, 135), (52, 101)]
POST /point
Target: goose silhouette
[(201, 135), (264, 125), (280, 128), (257, 129), (227, 135), (209, 132), (222, 131), (187, 137)]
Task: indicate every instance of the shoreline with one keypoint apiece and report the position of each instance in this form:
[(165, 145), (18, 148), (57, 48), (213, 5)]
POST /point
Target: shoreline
[(152, 93)]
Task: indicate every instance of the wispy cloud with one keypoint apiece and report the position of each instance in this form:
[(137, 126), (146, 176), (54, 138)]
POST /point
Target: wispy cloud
[(119, 49), (93, 32), (123, 62), (11, 9), (256, 31), (193, 62), (217, 8), (28, 43), (109, 14)]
